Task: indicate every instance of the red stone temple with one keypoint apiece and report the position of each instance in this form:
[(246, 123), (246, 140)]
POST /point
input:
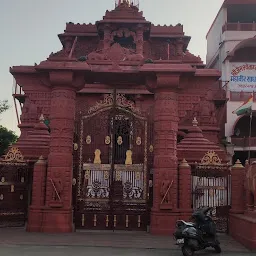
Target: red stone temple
[(120, 129)]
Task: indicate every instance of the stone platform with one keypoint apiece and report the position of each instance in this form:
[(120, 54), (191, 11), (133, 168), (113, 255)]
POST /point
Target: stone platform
[(243, 228)]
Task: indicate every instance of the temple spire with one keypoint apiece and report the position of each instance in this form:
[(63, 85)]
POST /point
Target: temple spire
[(128, 2)]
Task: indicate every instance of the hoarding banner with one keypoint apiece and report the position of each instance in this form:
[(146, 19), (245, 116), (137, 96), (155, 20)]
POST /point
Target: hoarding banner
[(242, 77)]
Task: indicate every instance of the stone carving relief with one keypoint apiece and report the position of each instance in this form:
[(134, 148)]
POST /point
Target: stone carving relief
[(108, 39), (57, 186), (36, 103), (85, 46), (82, 48), (159, 49), (139, 41), (14, 155), (165, 192), (124, 32), (211, 158), (108, 101), (179, 47), (30, 111), (204, 111), (116, 54)]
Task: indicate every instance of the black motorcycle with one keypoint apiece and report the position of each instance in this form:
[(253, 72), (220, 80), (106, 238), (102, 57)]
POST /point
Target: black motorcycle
[(198, 234)]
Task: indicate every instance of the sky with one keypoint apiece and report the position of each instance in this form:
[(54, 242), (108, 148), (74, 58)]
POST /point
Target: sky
[(29, 30)]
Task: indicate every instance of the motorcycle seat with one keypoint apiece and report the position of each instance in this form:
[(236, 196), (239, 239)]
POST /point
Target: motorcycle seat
[(189, 224)]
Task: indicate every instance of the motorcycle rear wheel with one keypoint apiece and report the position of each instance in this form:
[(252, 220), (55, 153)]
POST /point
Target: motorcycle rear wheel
[(187, 251), (217, 248)]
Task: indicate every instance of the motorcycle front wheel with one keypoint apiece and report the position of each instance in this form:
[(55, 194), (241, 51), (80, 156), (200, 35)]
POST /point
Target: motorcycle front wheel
[(187, 251)]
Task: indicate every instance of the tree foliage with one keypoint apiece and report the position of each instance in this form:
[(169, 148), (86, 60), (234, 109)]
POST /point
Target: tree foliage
[(7, 138), (4, 106)]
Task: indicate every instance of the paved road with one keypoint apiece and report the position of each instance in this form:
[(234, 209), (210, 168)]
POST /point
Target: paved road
[(28, 250), (132, 240), (17, 242)]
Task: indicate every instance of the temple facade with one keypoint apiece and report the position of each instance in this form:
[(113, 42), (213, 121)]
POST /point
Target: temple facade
[(118, 129)]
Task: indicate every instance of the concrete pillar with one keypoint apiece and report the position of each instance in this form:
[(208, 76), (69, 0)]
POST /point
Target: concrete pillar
[(237, 188), (185, 193), (38, 196)]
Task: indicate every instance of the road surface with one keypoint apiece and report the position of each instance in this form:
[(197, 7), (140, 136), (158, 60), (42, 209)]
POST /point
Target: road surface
[(30, 250)]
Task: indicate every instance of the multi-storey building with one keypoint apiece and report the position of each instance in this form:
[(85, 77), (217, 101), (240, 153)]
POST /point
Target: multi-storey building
[(231, 48)]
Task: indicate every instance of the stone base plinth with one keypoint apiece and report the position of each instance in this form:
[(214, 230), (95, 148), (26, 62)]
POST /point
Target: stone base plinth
[(251, 214), (242, 227), (163, 222), (57, 220), (166, 206), (50, 220), (35, 216)]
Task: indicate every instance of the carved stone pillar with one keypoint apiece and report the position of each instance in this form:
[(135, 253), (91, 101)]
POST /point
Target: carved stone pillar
[(249, 202), (237, 188), (107, 37), (179, 47), (185, 193), (29, 116), (35, 210), (139, 41), (58, 212), (163, 215)]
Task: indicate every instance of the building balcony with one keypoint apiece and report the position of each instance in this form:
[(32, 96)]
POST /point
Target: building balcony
[(242, 96), (239, 27), (244, 142)]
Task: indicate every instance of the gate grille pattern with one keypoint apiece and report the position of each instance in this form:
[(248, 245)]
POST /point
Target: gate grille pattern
[(13, 190), (211, 186), (112, 176)]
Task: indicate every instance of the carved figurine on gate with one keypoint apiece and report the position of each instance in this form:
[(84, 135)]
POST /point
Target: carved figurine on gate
[(250, 185), (57, 189), (165, 193)]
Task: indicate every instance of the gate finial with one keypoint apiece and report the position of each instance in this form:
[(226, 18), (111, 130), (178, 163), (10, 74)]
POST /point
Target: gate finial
[(40, 160), (184, 163), (238, 164), (195, 122), (41, 118)]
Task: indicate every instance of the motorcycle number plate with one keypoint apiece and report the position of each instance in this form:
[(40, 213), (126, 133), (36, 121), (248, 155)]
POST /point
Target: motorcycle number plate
[(180, 241)]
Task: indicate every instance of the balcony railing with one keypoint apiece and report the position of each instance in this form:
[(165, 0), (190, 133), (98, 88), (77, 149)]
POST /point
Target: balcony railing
[(241, 96), (239, 27), (244, 142)]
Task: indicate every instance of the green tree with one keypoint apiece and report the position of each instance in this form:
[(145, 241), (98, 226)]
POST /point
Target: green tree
[(7, 137), (4, 106)]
